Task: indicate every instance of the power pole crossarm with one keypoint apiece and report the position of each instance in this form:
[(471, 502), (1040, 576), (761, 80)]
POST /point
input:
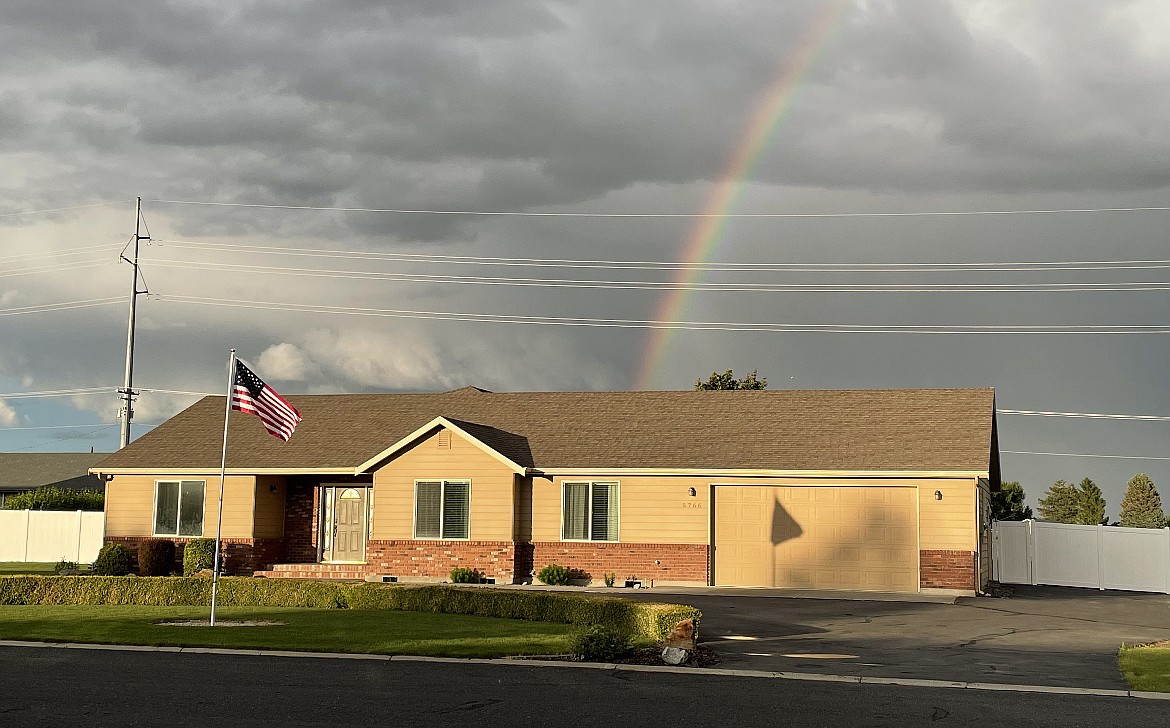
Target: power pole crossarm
[(127, 392)]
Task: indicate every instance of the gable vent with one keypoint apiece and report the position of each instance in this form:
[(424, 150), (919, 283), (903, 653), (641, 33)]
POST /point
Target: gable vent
[(444, 438)]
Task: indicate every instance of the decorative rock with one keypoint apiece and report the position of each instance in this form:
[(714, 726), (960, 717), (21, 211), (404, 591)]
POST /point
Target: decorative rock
[(675, 655)]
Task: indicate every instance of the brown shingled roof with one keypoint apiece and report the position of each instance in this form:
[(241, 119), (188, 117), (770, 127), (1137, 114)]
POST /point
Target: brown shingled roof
[(906, 429)]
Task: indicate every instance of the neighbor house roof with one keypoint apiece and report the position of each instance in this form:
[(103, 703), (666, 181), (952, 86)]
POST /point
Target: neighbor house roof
[(24, 471), (851, 430)]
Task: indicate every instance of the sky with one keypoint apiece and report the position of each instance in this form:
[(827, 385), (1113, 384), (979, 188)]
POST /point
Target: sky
[(268, 140)]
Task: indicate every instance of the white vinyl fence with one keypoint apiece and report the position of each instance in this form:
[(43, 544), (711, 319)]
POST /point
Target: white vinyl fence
[(50, 536), (1063, 554)]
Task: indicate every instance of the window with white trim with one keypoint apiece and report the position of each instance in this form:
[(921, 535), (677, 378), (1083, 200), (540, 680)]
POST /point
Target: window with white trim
[(442, 508), (590, 512), (178, 507)]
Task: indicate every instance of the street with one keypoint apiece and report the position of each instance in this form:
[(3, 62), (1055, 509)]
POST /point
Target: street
[(57, 687)]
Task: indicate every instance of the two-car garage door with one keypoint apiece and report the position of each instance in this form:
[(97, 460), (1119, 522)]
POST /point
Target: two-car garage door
[(817, 537)]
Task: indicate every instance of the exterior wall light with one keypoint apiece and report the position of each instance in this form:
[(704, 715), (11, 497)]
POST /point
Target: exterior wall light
[(693, 492), (938, 495)]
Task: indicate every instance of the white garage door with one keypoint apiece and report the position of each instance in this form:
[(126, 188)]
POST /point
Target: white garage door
[(817, 537)]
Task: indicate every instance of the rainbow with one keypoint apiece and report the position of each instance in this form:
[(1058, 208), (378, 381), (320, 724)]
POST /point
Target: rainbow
[(707, 231)]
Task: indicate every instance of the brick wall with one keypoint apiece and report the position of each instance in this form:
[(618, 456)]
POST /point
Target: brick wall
[(301, 512), (647, 561), (947, 570), (241, 555), (409, 558)]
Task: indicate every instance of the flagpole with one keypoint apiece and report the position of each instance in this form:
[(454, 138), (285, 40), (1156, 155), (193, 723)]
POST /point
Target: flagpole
[(222, 474)]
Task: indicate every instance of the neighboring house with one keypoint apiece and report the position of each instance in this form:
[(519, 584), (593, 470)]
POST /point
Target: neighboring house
[(873, 490), (21, 472)]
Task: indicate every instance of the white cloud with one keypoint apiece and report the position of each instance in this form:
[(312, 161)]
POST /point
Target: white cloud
[(8, 416), (285, 361), (9, 297)]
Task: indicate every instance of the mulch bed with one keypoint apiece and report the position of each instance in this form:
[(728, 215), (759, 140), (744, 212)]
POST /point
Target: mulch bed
[(701, 657)]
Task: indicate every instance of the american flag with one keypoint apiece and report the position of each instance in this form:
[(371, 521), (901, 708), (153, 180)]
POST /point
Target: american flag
[(250, 394)]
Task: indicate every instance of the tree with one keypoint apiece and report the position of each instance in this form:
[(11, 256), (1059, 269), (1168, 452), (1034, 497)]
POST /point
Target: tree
[(1008, 503), (1060, 504), (1091, 504), (1141, 507), (727, 380)]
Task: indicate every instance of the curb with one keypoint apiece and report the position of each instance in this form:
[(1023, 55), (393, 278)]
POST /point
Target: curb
[(720, 672)]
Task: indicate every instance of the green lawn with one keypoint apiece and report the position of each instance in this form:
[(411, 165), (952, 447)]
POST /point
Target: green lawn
[(380, 631), (1147, 668), (27, 567)]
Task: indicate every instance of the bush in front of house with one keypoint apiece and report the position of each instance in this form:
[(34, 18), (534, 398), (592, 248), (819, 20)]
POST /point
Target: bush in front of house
[(156, 557), (649, 620), (464, 575), (601, 643), (112, 560), (198, 554), (555, 575), (51, 498)]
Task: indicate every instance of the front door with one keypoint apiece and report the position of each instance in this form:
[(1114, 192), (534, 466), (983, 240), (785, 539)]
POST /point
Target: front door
[(349, 524)]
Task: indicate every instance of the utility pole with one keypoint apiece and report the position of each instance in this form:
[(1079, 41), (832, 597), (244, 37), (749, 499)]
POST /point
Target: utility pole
[(127, 391)]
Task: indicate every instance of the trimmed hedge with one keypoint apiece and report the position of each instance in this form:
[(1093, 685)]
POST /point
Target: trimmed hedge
[(653, 620), (52, 498)]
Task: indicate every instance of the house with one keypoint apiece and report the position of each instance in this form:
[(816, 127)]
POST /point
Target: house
[(21, 472), (882, 490)]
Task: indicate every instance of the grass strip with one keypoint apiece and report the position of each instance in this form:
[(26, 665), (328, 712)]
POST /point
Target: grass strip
[(367, 631), (27, 567), (1146, 667)]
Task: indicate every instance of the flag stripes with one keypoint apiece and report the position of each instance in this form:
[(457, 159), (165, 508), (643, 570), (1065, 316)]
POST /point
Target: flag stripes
[(252, 396)]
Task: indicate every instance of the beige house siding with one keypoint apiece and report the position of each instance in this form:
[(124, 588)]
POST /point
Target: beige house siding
[(661, 509), (269, 497), (130, 504), (492, 487)]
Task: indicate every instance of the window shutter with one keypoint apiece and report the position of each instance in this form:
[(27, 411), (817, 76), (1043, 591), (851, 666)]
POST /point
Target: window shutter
[(599, 522), (455, 509), (427, 502)]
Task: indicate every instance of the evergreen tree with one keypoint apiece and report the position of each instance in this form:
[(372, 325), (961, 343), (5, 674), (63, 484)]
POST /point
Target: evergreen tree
[(1008, 503), (1060, 504), (1141, 507), (1091, 504)]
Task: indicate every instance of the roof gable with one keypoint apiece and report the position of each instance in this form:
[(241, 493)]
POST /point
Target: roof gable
[(464, 429)]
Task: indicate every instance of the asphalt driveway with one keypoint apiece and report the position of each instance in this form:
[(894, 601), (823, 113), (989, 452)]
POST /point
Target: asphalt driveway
[(1037, 636)]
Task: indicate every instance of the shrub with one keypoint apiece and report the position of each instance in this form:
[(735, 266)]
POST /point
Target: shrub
[(464, 575), (601, 643), (555, 575), (65, 565), (610, 579), (112, 560), (198, 554), (156, 557), (650, 620), (51, 498)]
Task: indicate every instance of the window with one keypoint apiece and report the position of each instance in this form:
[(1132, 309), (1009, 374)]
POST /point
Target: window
[(590, 512), (178, 507), (442, 508)]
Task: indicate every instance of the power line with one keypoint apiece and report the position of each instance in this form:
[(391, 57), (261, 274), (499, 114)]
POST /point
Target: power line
[(710, 286), (58, 392), (1083, 455), (1083, 415), (62, 252), (57, 267), (678, 265), (685, 325), (62, 439), (687, 215), (65, 427), (63, 306), (62, 209)]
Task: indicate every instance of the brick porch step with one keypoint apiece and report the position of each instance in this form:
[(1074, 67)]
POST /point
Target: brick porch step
[(315, 571)]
